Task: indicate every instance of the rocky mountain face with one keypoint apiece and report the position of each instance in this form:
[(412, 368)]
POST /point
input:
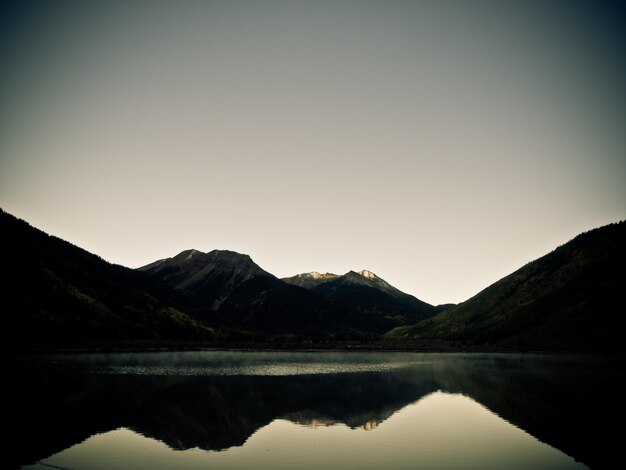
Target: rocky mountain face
[(206, 278)]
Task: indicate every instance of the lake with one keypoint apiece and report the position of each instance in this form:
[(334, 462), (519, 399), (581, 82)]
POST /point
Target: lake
[(311, 410)]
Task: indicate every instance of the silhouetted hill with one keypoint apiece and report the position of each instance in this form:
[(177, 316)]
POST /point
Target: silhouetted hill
[(206, 278), (60, 295), (244, 296), (374, 304), (56, 294), (571, 298), (377, 303), (269, 305)]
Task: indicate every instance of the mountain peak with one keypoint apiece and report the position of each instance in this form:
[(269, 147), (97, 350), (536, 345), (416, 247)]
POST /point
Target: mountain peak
[(368, 278), (318, 275), (207, 278), (310, 279), (188, 254), (360, 276), (227, 253), (368, 274)]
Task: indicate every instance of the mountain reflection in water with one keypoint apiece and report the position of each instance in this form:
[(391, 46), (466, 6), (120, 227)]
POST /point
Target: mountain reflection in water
[(202, 400)]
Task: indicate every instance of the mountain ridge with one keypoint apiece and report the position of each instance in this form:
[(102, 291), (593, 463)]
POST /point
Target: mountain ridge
[(372, 296), (310, 279), (205, 275), (566, 299), (57, 293), (241, 294)]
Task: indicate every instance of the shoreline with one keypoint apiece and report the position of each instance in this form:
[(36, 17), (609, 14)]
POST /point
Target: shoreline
[(116, 349)]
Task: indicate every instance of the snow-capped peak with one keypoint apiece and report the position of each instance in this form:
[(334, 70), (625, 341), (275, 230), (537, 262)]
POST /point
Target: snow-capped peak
[(368, 274), (317, 275)]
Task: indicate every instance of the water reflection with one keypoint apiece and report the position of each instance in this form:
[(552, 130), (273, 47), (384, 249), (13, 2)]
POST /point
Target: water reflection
[(352, 405), (440, 430)]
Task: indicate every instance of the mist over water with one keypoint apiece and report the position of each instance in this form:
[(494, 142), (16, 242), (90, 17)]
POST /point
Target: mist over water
[(256, 363)]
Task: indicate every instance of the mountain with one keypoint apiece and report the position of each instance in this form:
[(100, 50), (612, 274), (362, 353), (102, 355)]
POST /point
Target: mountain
[(56, 294), (206, 278), (242, 296), (309, 280), (60, 295), (375, 304), (369, 279), (366, 282), (271, 306), (570, 299)]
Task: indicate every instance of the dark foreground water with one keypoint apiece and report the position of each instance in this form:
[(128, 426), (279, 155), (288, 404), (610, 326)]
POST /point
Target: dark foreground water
[(312, 410)]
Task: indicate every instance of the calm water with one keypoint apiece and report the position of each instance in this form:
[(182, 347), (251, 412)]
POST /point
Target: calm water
[(234, 410)]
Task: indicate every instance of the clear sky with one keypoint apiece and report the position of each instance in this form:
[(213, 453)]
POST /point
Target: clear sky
[(440, 144)]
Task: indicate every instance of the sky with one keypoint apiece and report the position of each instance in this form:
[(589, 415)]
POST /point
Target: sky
[(439, 144)]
